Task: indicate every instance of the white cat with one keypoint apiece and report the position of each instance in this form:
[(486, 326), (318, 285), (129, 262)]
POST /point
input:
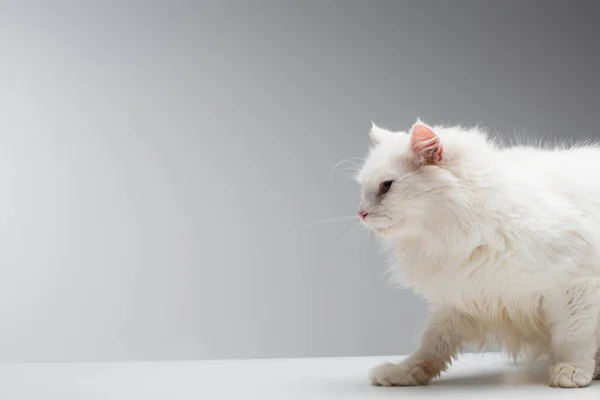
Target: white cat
[(504, 243)]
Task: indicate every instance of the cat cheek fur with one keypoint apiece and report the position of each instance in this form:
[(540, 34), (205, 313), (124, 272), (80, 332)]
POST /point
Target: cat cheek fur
[(504, 243)]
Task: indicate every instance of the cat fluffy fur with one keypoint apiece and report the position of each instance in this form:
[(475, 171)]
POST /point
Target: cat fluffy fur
[(502, 241)]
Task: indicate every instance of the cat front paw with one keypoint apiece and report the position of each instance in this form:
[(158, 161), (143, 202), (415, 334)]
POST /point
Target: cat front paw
[(568, 376), (399, 375)]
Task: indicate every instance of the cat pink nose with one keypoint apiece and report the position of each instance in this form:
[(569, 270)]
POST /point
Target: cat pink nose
[(362, 214)]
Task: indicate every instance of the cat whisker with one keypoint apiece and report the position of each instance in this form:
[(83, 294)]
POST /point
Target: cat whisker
[(365, 239), (353, 165), (344, 225), (347, 218), (352, 234)]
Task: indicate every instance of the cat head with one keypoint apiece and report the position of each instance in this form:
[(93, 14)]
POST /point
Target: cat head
[(415, 180)]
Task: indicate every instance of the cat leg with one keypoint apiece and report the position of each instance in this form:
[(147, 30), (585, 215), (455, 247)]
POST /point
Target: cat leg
[(573, 318), (442, 340), (597, 357), (597, 367)]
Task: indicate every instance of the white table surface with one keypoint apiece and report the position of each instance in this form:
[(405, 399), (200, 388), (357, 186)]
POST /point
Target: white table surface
[(476, 376)]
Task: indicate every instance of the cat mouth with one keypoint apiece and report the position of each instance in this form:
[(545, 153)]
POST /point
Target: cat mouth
[(380, 224), (384, 226)]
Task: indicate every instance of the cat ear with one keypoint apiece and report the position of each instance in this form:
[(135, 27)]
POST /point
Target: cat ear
[(425, 144), (377, 134)]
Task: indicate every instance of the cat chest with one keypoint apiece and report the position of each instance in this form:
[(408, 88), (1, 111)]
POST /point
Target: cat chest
[(509, 325)]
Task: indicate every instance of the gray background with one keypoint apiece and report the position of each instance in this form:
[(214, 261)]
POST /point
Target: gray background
[(160, 162)]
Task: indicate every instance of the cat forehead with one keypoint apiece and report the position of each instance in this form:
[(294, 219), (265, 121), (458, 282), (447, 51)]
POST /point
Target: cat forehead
[(383, 160)]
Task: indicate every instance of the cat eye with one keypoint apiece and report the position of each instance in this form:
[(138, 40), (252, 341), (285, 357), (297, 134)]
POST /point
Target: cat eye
[(385, 186)]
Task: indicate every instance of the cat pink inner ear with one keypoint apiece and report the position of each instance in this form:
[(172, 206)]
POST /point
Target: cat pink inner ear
[(425, 144)]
